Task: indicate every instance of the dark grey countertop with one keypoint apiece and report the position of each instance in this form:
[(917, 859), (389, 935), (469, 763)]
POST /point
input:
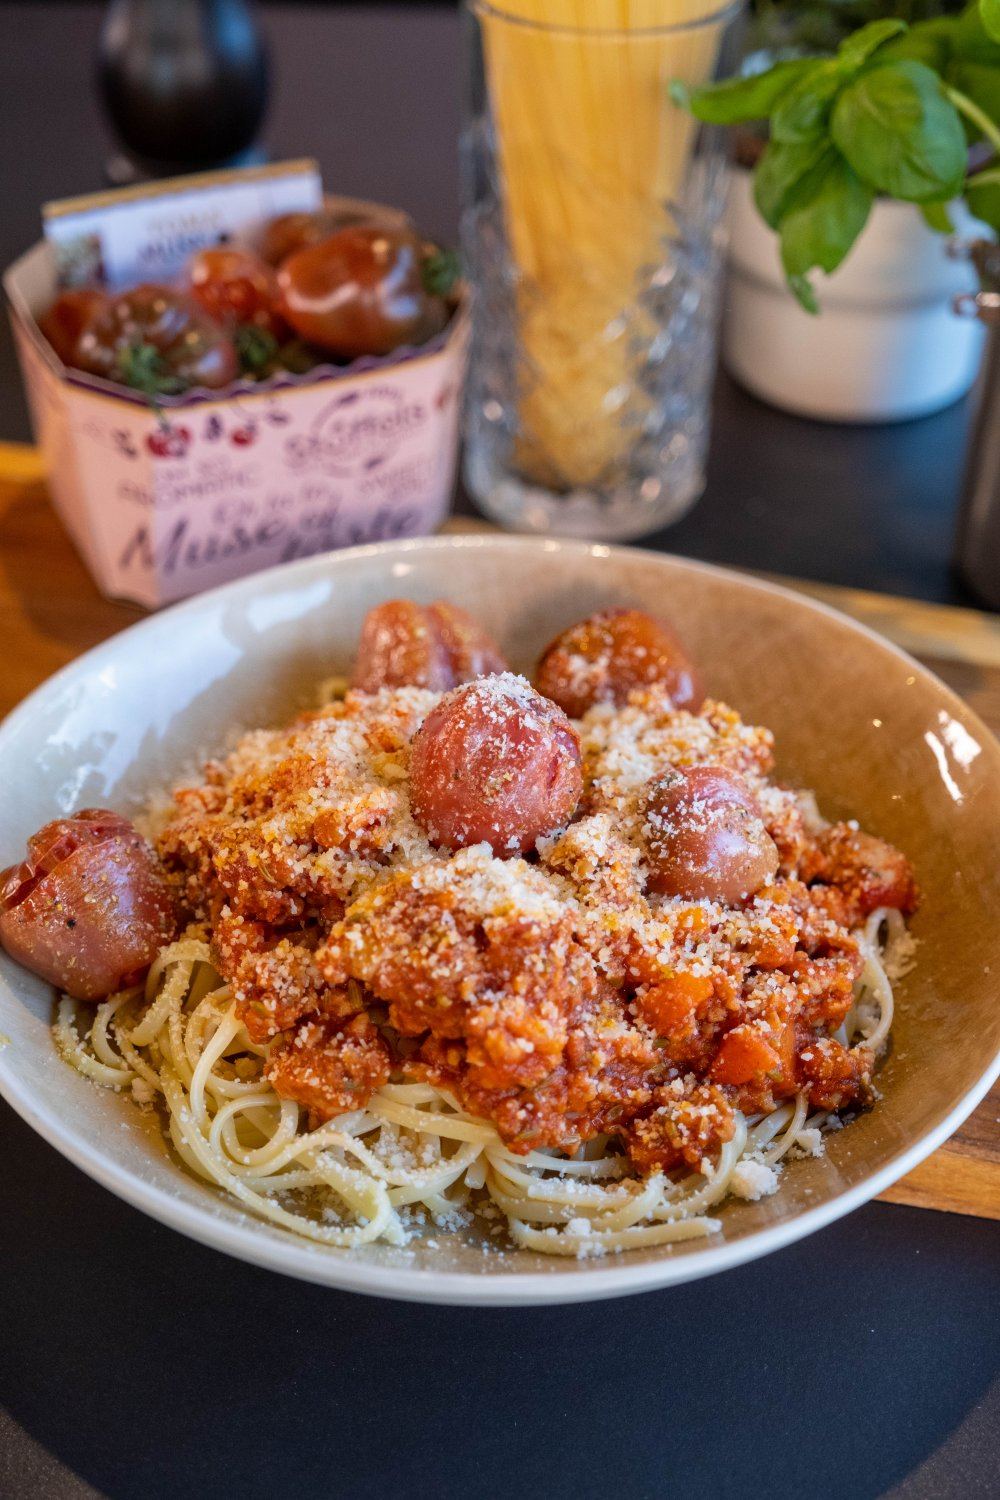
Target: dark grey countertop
[(133, 1363)]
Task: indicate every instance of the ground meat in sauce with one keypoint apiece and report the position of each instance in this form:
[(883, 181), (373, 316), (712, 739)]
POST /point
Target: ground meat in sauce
[(330, 1066), (549, 993)]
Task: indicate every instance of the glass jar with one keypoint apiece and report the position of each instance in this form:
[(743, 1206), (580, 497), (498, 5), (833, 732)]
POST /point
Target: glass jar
[(593, 240)]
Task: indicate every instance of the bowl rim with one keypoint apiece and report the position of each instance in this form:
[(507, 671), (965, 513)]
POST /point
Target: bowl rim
[(595, 1279)]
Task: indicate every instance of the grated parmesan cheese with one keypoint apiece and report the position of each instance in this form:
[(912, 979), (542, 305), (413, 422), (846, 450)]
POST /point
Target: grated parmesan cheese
[(751, 1180)]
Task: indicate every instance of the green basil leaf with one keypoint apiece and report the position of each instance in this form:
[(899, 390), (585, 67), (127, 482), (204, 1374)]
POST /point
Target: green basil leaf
[(900, 133), (984, 204), (803, 112), (988, 12), (736, 100), (859, 46), (930, 42), (830, 210), (804, 292), (780, 171), (937, 217)]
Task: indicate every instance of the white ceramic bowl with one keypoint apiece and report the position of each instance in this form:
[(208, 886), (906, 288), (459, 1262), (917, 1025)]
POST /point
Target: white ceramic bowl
[(869, 729)]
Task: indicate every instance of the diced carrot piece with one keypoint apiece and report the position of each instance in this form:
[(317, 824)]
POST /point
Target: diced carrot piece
[(669, 1003), (692, 920), (743, 1056)]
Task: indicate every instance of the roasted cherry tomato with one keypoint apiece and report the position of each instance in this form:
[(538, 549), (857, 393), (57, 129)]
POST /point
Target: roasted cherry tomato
[(603, 658), (705, 837), (88, 909), (361, 291), (494, 763), (434, 646), (156, 340), (69, 314), (867, 871), (236, 288)]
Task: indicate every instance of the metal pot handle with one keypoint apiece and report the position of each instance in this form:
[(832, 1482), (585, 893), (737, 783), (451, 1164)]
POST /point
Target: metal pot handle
[(983, 305)]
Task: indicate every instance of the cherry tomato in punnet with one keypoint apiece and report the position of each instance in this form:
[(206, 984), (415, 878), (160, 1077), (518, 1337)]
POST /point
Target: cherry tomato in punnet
[(290, 232), (494, 763), (88, 909), (236, 288), (705, 837), (360, 292), (66, 319), (157, 340), (435, 646), (603, 658)]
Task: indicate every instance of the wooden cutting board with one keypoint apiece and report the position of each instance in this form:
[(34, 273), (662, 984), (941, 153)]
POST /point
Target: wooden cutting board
[(50, 612)]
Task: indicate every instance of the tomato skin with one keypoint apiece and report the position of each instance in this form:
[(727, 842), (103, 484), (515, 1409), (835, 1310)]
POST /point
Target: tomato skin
[(471, 652), (360, 292), (193, 350), (236, 288), (866, 870), (435, 646), (69, 314), (88, 908), (494, 763), (603, 658), (705, 838), (290, 232)]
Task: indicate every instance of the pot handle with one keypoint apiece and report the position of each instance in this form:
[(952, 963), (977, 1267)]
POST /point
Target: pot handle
[(982, 305), (985, 256)]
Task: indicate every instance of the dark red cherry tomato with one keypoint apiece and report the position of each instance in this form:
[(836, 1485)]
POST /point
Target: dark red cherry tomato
[(705, 837), (434, 646), (290, 232), (88, 909), (361, 292), (236, 288), (68, 316), (602, 659), (156, 340), (494, 763)]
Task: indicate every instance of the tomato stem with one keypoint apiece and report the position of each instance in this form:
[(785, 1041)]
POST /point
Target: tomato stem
[(441, 271)]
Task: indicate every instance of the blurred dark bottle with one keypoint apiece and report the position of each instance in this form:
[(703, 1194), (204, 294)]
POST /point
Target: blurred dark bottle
[(977, 547), (184, 83)]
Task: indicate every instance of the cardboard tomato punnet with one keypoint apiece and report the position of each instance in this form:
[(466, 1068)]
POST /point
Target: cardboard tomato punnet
[(213, 485)]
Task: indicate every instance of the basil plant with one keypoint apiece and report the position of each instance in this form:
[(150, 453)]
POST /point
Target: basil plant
[(898, 111)]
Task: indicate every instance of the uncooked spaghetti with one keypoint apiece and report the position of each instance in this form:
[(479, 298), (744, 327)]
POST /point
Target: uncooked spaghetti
[(592, 157)]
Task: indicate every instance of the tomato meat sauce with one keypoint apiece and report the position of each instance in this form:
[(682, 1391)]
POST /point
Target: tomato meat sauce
[(584, 914)]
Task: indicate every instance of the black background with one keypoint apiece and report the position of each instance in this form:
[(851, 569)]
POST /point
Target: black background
[(862, 1362)]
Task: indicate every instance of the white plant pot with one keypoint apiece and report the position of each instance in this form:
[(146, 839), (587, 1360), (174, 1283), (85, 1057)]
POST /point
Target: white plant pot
[(886, 345)]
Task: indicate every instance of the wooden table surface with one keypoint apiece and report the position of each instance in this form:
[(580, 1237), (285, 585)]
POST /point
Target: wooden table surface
[(51, 611)]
